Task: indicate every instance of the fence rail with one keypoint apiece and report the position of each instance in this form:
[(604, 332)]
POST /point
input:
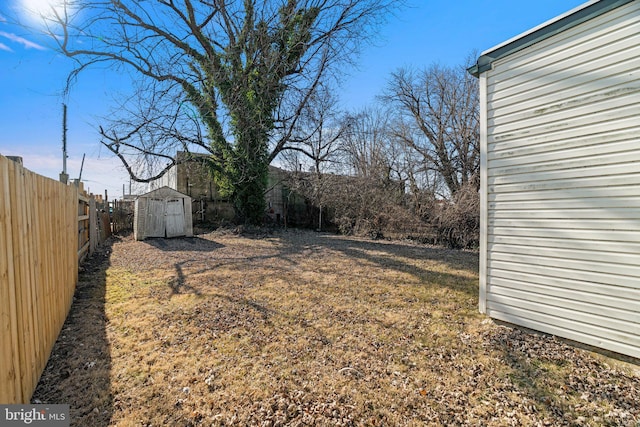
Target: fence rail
[(46, 229)]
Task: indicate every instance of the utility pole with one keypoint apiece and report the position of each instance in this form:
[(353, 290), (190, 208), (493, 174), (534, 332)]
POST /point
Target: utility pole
[(81, 167), (64, 176)]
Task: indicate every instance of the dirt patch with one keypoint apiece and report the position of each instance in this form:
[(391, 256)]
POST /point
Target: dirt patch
[(299, 328)]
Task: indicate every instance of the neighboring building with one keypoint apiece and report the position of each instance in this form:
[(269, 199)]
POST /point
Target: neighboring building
[(193, 178), (162, 212), (276, 195), (560, 188)]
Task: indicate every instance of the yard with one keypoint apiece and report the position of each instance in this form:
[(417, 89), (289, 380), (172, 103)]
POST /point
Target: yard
[(300, 328)]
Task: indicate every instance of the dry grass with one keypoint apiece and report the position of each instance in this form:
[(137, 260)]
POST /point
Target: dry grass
[(299, 328)]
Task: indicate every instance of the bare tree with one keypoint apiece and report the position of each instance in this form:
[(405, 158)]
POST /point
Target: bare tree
[(371, 185), (438, 120), (319, 130), (438, 113), (366, 147), (153, 123), (317, 138), (419, 172), (245, 67)]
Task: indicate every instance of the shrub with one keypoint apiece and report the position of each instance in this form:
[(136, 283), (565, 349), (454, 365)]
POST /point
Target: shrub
[(457, 222)]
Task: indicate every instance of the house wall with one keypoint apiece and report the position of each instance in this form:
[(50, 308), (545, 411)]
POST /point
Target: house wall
[(193, 178), (274, 197), (169, 179), (560, 145)]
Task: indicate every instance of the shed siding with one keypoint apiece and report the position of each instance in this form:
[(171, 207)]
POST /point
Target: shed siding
[(151, 219), (562, 194), (140, 216)]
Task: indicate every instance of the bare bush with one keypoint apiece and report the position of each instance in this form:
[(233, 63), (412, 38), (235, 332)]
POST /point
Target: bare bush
[(457, 223)]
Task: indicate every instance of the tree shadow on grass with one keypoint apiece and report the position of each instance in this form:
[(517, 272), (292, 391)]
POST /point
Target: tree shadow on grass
[(389, 255), (179, 284), (79, 367), (184, 244)]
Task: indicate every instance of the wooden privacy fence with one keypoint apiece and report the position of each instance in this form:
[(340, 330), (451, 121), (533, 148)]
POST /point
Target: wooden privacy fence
[(46, 229), (94, 222), (121, 215), (38, 273)]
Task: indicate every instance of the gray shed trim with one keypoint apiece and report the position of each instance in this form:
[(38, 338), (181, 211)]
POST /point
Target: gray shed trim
[(557, 25)]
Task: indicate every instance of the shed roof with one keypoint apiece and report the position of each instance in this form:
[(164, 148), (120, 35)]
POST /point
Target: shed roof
[(164, 192), (554, 26)]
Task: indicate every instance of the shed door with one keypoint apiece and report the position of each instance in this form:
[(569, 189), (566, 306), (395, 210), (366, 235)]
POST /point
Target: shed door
[(175, 218), (155, 218)]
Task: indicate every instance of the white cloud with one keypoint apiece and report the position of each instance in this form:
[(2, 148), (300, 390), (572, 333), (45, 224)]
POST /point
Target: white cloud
[(21, 40), (98, 174), (5, 47)]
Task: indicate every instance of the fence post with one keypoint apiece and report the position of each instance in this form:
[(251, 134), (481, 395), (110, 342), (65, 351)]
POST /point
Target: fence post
[(83, 225), (93, 225)]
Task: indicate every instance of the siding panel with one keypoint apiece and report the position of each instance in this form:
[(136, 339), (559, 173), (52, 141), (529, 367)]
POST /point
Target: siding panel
[(594, 235), (562, 50), (589, 133), (577, 197), (578, 312), (610, 258), (563, 184), (541, 293), (597, 335), (618, 248), (590, 290)]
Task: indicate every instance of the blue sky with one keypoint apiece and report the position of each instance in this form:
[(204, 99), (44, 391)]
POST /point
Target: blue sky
[(32, 77)]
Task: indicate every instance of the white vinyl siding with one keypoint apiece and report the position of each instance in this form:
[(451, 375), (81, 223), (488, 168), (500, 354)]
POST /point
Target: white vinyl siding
[(561, 241)]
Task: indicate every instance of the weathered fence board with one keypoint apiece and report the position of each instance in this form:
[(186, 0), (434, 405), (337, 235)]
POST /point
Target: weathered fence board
[(122, 218), (9, 363)]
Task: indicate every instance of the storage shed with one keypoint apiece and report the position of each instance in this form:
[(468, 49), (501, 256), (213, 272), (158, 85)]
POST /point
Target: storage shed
[(560, 177), (163, 212)]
